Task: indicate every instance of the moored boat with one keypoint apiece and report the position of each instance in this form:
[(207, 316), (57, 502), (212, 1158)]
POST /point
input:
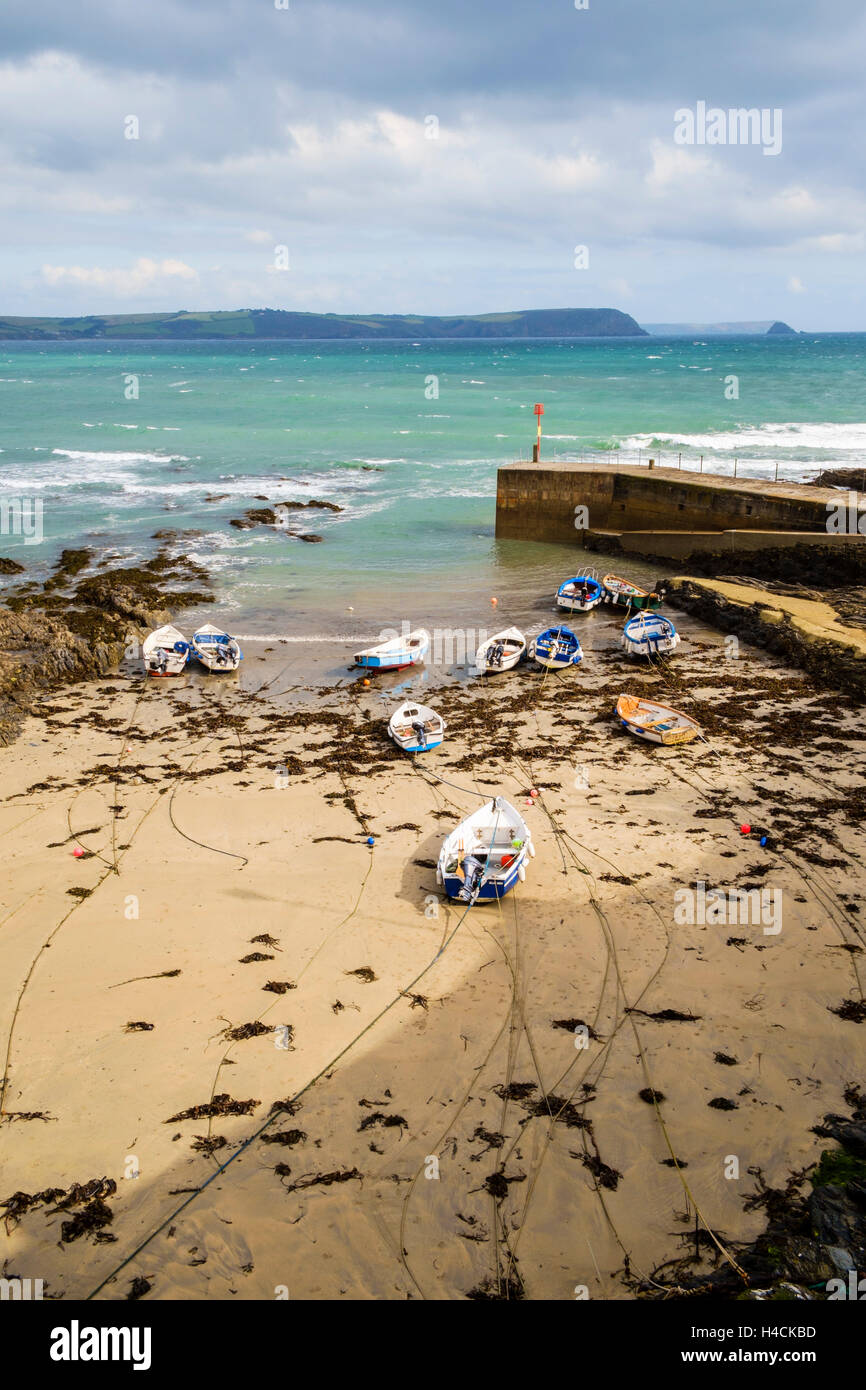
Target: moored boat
[(487, 854), (655, 722), (215, 649), (627, 595), (165, 651), (556, 648), (579, 594), (501, 652), (646, 634), (416, 728), (401, 651)]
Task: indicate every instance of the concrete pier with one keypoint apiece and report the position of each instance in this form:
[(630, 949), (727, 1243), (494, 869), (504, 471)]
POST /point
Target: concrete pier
[(665, 507)]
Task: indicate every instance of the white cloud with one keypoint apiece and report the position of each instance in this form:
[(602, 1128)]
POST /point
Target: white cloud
[(796, 286), (144, 275)]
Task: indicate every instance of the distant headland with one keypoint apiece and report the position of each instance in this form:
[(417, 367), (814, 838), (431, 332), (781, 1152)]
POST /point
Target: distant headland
[(285, 323), (686, 330)]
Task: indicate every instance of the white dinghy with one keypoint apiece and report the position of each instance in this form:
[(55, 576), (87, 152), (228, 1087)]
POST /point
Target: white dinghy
[(501, 652), (215, 649), (416, 728), (486, 855), (165, 651)]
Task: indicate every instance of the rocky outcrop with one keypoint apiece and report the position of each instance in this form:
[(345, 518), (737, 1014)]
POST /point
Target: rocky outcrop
[(55, 633), (805, 631), (853, 478)]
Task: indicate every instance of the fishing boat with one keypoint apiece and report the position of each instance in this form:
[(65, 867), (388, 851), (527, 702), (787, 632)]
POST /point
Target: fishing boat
[(165, 651), (654, 722), (394, 655), (416, 728), (215, 649), (627, 595), (646, 634), (556, 648), (579, 594), (486, 855), (501, 652)]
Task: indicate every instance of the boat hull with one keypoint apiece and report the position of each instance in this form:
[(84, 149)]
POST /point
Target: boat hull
[(433, 742), (492, 888), (575, 605)]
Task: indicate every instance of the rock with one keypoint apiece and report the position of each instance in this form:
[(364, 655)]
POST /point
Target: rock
[(307, 537), (10, 566)]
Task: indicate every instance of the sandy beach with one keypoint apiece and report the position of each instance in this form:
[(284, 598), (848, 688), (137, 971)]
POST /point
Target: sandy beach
[(205, 963)]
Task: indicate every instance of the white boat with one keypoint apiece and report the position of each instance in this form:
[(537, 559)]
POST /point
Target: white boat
[(215, 649), (416, 728), (165, 651), (579, 594), (394, 655), (649, 633), (486, 855), (655, 722), (501, 652)]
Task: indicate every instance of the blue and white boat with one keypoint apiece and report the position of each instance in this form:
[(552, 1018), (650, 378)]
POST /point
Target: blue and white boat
[(579, 594), (401, 651), (556, 648), (416, 728), (648, 634), (486, 855), (215, 649)]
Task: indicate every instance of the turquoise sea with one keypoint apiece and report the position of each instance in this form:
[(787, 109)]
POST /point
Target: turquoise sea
[(120, 439)]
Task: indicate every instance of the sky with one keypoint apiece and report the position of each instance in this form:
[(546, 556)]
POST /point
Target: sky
[(434, 156)]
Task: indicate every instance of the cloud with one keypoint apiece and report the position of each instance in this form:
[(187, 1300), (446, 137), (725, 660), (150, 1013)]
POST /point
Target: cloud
[(311, 127), (145, 275), (796, 286)]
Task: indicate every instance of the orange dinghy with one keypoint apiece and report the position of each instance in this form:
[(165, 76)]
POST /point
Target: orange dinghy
[(654, 722)]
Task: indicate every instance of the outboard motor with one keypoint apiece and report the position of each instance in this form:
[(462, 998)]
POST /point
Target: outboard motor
[(472, 871), (421, 730), (223, 652)]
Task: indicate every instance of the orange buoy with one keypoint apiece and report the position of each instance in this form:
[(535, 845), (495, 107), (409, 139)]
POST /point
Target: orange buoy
[(494, 602)]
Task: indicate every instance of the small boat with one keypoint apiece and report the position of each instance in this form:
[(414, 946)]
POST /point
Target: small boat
[(215, 649), (579, 594), (649, 633), (487, 853), (165, 651), (501, 652), (394, 655), (556, 648), (654, 722), (628, 595), (416, 728)]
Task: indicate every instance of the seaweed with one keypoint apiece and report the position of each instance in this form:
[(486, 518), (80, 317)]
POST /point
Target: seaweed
[(220, 1105)]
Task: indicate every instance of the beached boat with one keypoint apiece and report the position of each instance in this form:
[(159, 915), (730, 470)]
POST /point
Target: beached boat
[(556, 648), (486, 855), (646, 634), (626, 594), (654, 722), (579, 594), (394, 655), (416, 728), (165, 651), (215, 649), (501, 652)]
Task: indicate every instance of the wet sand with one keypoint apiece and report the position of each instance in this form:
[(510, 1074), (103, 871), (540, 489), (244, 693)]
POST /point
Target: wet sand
[(439, 1132)]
